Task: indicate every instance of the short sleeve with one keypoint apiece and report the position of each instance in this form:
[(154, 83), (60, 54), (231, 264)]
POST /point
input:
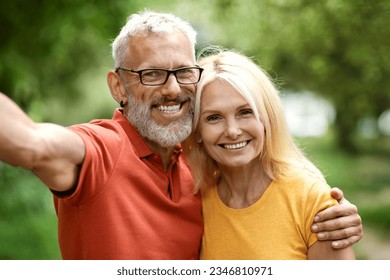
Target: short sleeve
[(318, 199), (103, 146)]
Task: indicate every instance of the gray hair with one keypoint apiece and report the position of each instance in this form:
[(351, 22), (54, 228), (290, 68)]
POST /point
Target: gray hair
[(149, 22)]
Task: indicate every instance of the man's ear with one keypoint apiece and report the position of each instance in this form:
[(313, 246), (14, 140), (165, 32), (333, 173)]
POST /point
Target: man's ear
[(116, 87)]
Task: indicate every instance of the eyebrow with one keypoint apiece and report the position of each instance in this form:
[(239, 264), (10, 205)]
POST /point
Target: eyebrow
[(243, 106), (171, 68)]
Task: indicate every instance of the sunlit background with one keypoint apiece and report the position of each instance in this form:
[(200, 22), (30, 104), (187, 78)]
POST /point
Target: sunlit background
[(330, 59)]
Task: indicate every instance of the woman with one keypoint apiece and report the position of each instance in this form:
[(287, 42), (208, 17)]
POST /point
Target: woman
[(260, 194)]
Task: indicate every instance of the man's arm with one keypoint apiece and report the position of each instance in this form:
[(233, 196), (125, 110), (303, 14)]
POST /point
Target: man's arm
[(340, 223), (52, 152)]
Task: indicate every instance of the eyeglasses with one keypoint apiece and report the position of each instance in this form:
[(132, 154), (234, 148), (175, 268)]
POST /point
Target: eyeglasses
[(159, 76)]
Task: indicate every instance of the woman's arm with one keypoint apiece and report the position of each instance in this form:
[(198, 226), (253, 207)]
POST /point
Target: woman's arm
[(323, 250)]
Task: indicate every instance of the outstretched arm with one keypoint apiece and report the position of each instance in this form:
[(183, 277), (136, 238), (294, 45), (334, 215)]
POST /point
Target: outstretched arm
[(340, 223), (52, 152)]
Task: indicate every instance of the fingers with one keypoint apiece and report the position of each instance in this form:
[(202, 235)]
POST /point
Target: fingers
[(337, 194), (346, 209), (344, 243), (340, 234), (342, 238), (338, 224)]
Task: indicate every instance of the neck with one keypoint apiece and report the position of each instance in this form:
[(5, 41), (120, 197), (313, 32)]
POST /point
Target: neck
[(242, 187), (165, 153)]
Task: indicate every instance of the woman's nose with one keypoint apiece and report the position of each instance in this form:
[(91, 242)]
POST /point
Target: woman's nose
[(233, 130)]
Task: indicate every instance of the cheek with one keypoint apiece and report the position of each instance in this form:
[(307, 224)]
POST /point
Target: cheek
[(260, 136), (188, 89), (256, 129), (140, 93), (211, 150), (209, 134)]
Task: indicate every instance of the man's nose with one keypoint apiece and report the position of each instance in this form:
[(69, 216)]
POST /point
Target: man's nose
[(171, 88)]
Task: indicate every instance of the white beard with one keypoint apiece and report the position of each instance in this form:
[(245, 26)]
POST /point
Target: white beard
[(167, 136)]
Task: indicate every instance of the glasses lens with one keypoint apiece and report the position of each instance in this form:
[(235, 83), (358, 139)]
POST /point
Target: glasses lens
[(153, 77), (187, 75)]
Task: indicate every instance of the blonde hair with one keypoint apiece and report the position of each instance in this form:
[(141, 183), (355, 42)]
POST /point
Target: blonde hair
[(280, 156)]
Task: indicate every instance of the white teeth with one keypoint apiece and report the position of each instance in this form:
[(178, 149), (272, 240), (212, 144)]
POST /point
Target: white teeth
[(235, 146), (169, 109)]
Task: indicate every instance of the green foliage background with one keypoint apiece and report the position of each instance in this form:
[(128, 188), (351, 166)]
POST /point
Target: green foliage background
[(54, 56)]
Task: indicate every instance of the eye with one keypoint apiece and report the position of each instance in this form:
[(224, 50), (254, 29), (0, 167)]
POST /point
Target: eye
[(185, 72), (213, 118), (246, 112), (152, 74)]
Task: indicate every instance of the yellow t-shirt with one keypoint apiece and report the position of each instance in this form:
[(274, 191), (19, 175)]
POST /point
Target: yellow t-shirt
[(276, 227)]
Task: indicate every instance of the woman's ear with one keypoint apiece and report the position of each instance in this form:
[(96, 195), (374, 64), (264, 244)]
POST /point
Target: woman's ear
[(116, 87)]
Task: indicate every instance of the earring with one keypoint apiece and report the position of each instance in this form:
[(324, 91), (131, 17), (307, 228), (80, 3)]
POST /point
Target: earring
[(122, 104)]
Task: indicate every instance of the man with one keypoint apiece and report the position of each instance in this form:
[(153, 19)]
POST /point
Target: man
[(121, 188)]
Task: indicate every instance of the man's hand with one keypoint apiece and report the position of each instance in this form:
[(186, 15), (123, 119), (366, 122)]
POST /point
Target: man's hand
[(340, 223)]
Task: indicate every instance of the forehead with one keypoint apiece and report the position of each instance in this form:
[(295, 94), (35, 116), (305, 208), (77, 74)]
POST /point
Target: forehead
[(221, 94), (160, 50)]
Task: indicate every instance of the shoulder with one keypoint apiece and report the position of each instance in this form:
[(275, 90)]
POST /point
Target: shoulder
[(102, 138), (304, 185), (99, 129), (99, 126), (301, 180)]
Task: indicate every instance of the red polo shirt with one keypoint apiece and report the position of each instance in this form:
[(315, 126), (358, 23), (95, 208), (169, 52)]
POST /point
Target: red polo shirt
[(125, 206)]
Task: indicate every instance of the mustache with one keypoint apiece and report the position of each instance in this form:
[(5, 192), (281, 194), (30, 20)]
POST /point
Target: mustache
[(178, 99)]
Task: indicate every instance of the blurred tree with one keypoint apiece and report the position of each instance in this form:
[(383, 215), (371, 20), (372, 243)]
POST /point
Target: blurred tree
[(343, 54), (335, 48), (46, 45)]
